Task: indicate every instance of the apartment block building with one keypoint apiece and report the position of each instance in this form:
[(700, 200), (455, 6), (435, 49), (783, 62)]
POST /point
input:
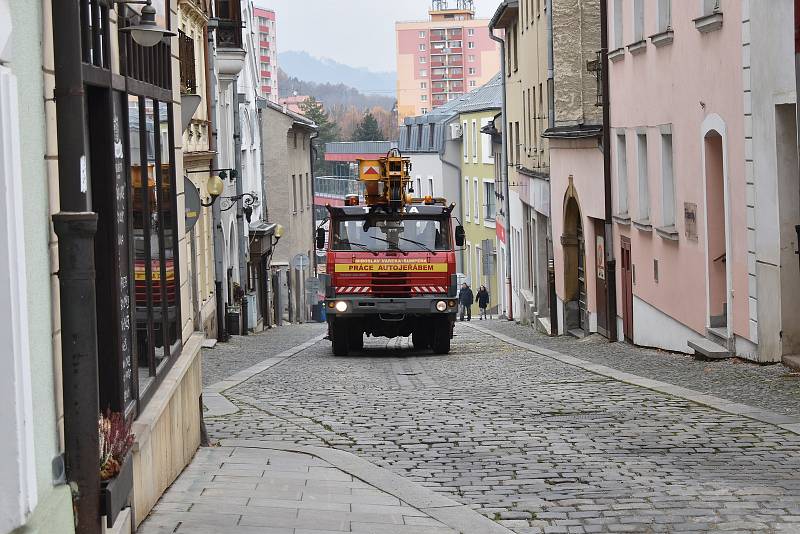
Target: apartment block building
[(267, 52), (441, 58)]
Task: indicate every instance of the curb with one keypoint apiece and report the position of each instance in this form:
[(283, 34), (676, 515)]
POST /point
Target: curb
[(786, 422), (454, 515), (217, 404)]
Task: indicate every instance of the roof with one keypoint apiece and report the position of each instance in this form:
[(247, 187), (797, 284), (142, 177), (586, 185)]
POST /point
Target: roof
[(416, 139), (360, 147), (580, 131), (299, 120), (506, 12)]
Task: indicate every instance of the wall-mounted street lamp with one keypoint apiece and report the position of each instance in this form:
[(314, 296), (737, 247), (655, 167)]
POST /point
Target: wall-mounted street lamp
[(147, 32), (215, 185)]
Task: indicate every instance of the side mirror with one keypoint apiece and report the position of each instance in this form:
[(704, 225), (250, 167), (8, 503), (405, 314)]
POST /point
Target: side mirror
[(460, 236), (320, 238)]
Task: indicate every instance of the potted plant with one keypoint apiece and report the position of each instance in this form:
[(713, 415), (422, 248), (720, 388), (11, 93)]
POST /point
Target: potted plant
[(116, 465)]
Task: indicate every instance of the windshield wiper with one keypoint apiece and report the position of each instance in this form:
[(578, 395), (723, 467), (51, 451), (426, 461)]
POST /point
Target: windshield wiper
[(404, 252), (423, 245), (362, 245)]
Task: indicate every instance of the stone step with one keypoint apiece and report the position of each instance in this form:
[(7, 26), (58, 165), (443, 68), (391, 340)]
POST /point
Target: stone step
[(718, 335), (577, 333), (709, 349)]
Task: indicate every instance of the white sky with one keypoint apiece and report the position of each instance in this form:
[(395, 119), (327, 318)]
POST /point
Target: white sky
[(359, 33)]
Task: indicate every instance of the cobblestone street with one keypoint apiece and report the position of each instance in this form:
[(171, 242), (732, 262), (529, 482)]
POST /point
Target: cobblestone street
[(526, 440)]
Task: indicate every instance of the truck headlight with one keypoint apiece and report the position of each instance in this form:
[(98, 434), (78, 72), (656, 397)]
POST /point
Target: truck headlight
[(341, 306), (441, 306)]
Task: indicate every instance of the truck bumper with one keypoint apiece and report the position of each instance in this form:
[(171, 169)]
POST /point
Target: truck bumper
[(390, 307)]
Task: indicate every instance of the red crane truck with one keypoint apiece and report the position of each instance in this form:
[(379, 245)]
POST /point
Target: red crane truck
[(391, 262)]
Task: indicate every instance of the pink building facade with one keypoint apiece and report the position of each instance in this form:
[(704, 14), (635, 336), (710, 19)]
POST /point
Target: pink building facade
[(442, 58), (267, 53), (704, 176)]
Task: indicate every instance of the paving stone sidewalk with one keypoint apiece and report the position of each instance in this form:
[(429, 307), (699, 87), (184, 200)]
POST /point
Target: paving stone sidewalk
[(771, 387), (252, 490)]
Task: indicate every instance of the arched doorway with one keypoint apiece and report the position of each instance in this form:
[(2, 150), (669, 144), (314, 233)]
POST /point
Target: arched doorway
[(718, 264), (572, 242)]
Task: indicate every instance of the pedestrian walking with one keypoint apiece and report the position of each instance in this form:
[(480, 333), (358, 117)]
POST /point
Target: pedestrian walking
[(466, 298), (482, 298)]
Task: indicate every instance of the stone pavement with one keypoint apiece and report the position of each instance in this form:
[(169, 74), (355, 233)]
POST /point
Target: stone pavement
[(771, 387), (533, 440), (255, 488)]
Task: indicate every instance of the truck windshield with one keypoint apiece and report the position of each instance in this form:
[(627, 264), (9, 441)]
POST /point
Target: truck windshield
[(417, 234)]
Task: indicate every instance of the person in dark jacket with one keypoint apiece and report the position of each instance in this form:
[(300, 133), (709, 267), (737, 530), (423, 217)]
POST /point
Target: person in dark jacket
[(466, 298), (482, 298)]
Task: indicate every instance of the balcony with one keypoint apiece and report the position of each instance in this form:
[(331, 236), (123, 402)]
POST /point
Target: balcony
[(455, 63), (437, 76), (437, 90), (337, 187), (437, 63)]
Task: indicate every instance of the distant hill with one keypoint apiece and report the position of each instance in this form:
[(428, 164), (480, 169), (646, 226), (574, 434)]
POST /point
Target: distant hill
[(332, 95), (304, 66)]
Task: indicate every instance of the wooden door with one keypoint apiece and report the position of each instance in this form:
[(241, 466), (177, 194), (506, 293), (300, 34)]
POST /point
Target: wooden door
[(627, 288)]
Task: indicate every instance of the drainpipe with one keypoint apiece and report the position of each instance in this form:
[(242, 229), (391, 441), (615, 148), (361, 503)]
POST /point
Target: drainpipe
[(551, 97), (76, 227), (312, 151), (504, 177), (216, 214), (611, 264), (237, 164)]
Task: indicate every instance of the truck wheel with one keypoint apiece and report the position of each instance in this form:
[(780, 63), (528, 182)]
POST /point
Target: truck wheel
[(339, 338), (441, 338), (421, 339), (356, 339)]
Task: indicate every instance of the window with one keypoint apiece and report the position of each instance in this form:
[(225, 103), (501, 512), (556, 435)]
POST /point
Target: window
[(424, 98), (423, 85), (664, 15), (622, 174), (421, 47), (489, 201), (431, 190), (423, 110), (471, 58), (477, 201), (187, 57), (423, 73), (465, 140), (422, 35), (155, 284), (474, 141), (518, 145), (470, 31), (431, 136), (471, 44), (473, 83), (525, 117), (638, 20), (710, 7), (471, 70), (423, 59), (294, 193), (294, 137), (300, 186), (618, 24), (308, 190), (486, 144), (264, 66), (667, 181), (264, 51), (466, 198), (533, 122), (644, 189), (511, 143)]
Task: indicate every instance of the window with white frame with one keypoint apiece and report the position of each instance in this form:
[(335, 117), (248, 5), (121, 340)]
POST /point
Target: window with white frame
[(421, 47), (422, 35), (471, 58), (471, 31), (471, 70), (474, 140), (667, 181), (294, 193), (431, 189), (423, 73), (473, 83), (466, 198), (465, 140), (471, 44), (489, 200), (423, 85), (638, 20), (618, 25), (643, 183), (423, 59), (423, 110), (487, 156), (622, 174), (424, 98), (664, 15), (476, 201)]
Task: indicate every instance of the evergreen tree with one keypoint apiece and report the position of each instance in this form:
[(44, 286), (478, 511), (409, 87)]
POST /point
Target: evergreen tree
[(368, 129), (328, 130)]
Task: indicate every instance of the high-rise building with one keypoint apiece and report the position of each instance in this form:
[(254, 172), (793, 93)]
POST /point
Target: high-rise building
[(267, 53), (443, 57)]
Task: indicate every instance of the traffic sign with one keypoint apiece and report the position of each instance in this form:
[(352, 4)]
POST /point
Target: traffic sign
[(300, 262)]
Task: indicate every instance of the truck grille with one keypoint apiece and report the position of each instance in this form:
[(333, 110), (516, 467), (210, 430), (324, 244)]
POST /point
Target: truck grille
[(391, 285)]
